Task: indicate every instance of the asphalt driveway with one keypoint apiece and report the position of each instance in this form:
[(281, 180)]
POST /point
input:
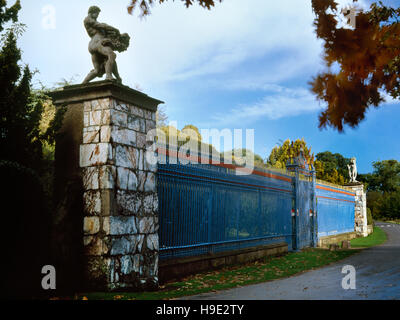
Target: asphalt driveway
[(377, 277)]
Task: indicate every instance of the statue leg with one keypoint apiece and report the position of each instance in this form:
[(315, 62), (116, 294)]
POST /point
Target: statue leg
[(96, 72), (109, 66), (92, 74), (116, 73)]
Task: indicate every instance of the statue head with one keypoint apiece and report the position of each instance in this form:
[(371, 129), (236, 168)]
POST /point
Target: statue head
[(353, 160), (94, 10)]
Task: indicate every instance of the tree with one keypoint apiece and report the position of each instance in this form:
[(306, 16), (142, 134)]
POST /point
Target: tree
[(368, 58), (192, 131), (373, 200), (23, 135), (177, 138), (329, 167), (28, 125), (239, 156), (171, 134), (385, 177), (388, 206), (383, 191), (161, 117), (8, 14), (332, 167), (287, 150), (145, 5)]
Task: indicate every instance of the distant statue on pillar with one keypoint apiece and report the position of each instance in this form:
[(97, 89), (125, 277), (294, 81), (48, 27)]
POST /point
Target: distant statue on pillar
[(352, 170), (104, 41)]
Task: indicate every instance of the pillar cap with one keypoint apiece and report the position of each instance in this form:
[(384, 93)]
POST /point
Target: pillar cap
[(103, 89), (354, 184)]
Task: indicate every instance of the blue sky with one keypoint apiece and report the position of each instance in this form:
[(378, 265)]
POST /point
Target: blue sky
[(243, 65)]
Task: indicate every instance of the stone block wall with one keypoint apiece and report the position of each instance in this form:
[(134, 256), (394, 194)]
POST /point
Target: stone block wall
[(120, 202), (120, 199), (325, 241), (360, 210)]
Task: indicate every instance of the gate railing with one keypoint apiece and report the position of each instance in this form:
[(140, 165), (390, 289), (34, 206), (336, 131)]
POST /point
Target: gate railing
[(335, 208), (207, 208)]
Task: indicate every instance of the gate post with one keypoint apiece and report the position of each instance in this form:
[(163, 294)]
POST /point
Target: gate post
[(313, 212), (109, 123), (299, 165), (297, 206), (293, 166)]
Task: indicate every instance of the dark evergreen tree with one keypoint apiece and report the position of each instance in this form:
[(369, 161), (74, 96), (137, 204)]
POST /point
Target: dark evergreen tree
[(7, 14), (25, 239), (19, 115)]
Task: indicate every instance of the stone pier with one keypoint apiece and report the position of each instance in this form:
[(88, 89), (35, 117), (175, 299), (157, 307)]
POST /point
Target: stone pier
[(360, 210), (108, 123)]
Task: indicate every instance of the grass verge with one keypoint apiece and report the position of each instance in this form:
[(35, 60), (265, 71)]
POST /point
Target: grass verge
[(230, 277), (377, 237)]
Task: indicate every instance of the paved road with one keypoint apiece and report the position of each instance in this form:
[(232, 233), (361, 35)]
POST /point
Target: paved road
[(377, 277)]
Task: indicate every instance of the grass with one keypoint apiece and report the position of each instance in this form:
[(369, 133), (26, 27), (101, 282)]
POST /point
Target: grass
[(270, 269), (377, 237)]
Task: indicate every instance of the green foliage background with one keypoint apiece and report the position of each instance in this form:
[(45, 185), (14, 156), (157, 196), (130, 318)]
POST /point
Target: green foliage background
[(383, 189)]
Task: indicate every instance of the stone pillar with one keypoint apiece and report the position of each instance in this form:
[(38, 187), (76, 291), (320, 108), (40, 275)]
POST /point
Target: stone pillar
[(360, 210), (120, 203)]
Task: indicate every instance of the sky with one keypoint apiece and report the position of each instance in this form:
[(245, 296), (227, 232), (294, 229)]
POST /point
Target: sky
[(242, 65)]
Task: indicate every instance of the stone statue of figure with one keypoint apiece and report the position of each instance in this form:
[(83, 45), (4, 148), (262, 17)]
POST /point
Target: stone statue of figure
[(352, 170), (104, 41)]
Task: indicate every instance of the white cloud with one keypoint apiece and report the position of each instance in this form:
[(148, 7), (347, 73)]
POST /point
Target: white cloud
[(175, 43), (279, 103)]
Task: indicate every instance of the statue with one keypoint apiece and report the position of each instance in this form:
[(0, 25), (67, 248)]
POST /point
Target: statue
[(104, 41), (352, 170)]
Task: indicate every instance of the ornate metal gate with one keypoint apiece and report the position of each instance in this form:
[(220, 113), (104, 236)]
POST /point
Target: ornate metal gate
[(304, 215)]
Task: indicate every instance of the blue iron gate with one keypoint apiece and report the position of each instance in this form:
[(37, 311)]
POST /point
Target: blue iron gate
[(305, 213), (304, 220), (205, 209)]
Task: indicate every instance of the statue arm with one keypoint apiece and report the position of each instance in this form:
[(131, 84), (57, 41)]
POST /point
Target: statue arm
[(98, 26), (107, 27)]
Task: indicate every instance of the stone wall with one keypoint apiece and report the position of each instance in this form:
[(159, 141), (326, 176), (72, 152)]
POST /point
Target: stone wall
[(325, 241), (179, 268), (120, 199), (120, 214), (360, 210)]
